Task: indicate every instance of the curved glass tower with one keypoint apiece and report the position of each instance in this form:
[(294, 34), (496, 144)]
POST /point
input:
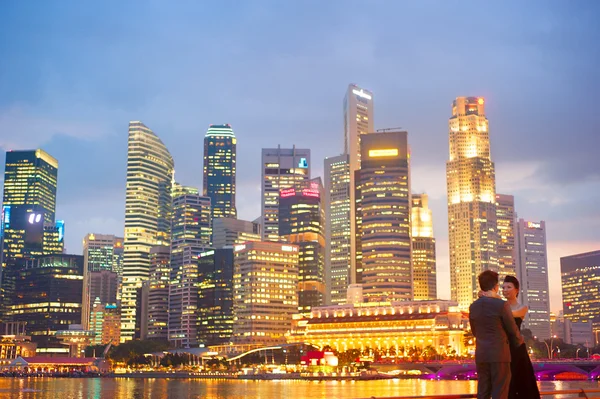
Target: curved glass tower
[(219, 170), (147, 214)]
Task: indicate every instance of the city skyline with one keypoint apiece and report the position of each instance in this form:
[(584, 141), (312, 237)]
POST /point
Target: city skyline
[(527, 135)]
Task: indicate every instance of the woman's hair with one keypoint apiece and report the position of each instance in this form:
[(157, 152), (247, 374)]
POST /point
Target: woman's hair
[(513, 280)]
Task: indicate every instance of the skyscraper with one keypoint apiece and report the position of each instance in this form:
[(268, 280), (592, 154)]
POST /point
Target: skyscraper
[(383, 234), (228, 231), (471, 199), (147, 214), (281, 168), (301, 222), (337, 228), (28, 212), (358, 121), (532, 272), (423, 249), (580, 275), (191, 236), (505, 219), (265, 280), (158, 293), (219, 170)]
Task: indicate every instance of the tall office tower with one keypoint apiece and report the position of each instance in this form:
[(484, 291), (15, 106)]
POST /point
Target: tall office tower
[(580, 275), (147, 214), (102, 285), (53, 241), (337, 228), (215, 296), (423, 249), (29, 205), (383, 190), (265, 280), (191, 236), (532, 272), (358, 121), (505, 219), (105, 322), (301, 222), (101, 252), (48, 297), (471, 199), (219, 170), (228, 231), (281, 168), (158, 293)]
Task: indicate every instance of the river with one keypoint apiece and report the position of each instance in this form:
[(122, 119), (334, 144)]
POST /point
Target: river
[(137, 388)]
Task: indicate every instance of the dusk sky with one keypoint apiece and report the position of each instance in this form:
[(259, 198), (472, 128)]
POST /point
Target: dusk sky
[(73, 74)]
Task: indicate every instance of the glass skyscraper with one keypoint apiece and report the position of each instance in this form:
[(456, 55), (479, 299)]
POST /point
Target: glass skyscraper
[(147, 214), (423, 249), (219, 170), (505, 219)]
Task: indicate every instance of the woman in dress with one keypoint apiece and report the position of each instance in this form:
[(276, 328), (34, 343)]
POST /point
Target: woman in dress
[(522, 383)]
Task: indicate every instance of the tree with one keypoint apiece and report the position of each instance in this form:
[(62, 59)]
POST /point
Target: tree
[(132, 350)]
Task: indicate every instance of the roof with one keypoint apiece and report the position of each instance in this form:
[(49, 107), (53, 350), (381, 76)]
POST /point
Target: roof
[(60, 360)]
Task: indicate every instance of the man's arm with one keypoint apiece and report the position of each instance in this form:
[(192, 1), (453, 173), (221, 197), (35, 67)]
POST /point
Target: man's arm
[(514, 335), (472, 324)]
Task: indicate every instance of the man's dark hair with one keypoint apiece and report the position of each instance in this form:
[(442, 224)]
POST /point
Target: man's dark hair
[(488, 280)]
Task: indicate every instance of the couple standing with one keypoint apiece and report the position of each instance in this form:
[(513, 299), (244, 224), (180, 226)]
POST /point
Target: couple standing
[(504, 369)]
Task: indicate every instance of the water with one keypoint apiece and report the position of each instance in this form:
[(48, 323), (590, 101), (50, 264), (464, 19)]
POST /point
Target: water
[(137, 388)]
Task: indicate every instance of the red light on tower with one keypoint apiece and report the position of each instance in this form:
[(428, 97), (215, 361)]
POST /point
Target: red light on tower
[(480, 101)]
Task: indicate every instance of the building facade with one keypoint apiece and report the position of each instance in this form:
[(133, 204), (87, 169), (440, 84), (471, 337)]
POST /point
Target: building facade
[(105, 322), (383, 227), (302, 223), (505, 219), (228, 232), (423, 249), (281, 168), (219, 170), (215, 296), (338, 272), (471, 188), (265, 283), (532, 272), (191, 236), (147, 214), (158, 293), (580, 277)]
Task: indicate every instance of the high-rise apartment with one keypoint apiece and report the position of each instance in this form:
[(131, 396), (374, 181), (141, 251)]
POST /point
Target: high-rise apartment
[(228, 231), (337, 228), (505, 219), (358, 121), (580, 275), (147, 214), (265, 280), (219, 170), (383, 227), (471, 199), (532, 272), (423, 249), (281, 168), (191, 236), (301, 222)]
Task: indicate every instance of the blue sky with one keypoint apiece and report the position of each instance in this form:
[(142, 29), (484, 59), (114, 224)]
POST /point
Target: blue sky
[(74, 73)]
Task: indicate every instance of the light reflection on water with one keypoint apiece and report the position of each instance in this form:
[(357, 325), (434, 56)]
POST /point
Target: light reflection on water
[(136, 388)]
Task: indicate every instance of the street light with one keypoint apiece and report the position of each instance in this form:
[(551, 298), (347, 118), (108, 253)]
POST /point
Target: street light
[(577, 353)]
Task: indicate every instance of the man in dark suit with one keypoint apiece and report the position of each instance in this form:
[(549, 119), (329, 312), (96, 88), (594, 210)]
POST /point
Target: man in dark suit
[(494, 328)]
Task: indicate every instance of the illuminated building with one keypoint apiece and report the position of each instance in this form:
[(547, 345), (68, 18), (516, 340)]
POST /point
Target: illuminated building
[(219, 170), (215, 296), (337, 228), (580, 276), (281, 168), (105, 322), (505, 219), (147, 214), (228, 231), (301, 222), (76, 338), (471, 187), (191, 236), (53, 241), (48, 297), (383, 230), (423, 249), (158, 293), (391, 326), (265, 280), (28, 212), (532, 272), (358, 121)]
